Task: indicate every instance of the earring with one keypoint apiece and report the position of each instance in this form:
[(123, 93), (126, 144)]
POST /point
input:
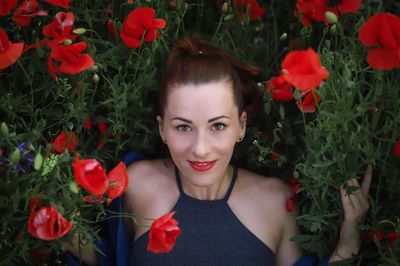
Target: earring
[(240, 139), (164, 140)]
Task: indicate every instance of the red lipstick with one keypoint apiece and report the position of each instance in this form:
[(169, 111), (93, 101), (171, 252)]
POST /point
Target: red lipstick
[(202, 166)]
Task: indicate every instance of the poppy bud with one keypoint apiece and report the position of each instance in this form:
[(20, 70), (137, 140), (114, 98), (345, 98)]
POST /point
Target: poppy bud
[(38, 161), (94, 68), (15, 156), (4, 129), (333, 29), (67, 42), (331, 17), (229, 17), (283, 36), (73, 187), (79, 31), (96, 78), (225, 8)]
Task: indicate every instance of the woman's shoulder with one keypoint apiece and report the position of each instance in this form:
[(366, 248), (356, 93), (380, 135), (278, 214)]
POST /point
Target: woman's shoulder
[(149, 180), (270, 192)]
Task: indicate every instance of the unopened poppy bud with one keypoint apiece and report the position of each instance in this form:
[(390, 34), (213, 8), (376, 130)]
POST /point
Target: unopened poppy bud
[(283, 36), (331, 17), (225, 8), (296, 94), (15, 156), (332, 29), (79, 31), (4, 129), (96, 78), (67, 42), (94, 68), (229, 17), (73, 187), (38, 162)]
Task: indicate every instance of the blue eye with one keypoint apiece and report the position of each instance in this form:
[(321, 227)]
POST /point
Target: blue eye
[(183, 128), (218, 127)]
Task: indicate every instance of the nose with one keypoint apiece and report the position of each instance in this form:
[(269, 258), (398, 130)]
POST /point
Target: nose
[(201, 145)]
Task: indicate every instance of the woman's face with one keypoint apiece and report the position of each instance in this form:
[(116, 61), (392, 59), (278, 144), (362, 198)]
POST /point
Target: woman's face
[(201, 126)]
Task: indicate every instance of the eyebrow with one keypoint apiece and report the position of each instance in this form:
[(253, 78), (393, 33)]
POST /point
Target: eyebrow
[(209, 120)]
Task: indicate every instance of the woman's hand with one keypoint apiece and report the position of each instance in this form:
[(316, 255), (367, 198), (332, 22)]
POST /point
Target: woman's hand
[(355, 207)]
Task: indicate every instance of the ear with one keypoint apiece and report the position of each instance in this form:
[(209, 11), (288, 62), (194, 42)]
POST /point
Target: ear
[(160, 126), (243, 123)]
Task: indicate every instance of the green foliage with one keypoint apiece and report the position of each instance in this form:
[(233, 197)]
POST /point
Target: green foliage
[(356, 123)]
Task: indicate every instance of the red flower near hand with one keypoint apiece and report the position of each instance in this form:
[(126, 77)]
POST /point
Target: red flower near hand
[(61, 3), (250, 7), (9, 52), (396, 149), (60, 29), (378, 234), (280, 89), (6, 6), (48, 224), (65, 140), (90, 175), (303, 69), (292, 199), (382, 31), (141, 24), (391, 237), (26, 11), (118, 181), (71, 58), (163, 234), (309, 101)]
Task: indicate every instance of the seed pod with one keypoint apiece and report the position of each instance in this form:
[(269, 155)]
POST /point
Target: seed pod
[(79, 31), (67, 42), (283, 36), (73, 187), (96, 78)]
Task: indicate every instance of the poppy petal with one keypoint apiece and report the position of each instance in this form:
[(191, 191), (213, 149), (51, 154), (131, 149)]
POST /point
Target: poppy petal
[(384, 58), (11, 55)]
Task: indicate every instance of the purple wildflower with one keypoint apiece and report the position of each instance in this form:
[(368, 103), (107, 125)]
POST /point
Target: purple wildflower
[(22, 147)]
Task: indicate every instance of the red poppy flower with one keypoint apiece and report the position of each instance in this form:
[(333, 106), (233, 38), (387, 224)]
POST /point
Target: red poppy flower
[(391, 237), (60, 29), (39, 44), (275, 156), (396, 149), (308, 101), (375, 234), (26, 11), (280, 89), (90, 175), (6, 6), (9, 52), (88, 123), (139, 24), (163, 234), (101, 144), (291, 203), (111, 28), (48, 224), (118, 181), (382, 30), (314, 10), (103, 127), (303, 69), (65, 140), (61, 3), (250, 7), (52, 68), (71, 58)]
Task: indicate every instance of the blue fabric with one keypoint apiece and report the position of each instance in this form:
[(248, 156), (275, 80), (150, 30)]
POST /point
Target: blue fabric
[(115, 244)]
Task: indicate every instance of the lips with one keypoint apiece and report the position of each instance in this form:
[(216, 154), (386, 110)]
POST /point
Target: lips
[(202, 166)]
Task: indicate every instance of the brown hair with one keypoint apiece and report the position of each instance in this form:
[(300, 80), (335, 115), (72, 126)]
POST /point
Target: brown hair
[(194, 61)]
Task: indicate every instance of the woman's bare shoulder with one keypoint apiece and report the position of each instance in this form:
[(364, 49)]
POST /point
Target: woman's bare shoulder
[(272, 192)]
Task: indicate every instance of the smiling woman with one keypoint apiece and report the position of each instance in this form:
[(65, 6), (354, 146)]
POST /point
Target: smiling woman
[(226, 215)]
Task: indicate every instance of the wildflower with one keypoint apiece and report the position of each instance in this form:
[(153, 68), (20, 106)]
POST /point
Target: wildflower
[(163, 234), (139, 24)]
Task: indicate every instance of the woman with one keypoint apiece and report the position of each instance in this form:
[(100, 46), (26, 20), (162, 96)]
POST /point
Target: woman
[(228, 216)]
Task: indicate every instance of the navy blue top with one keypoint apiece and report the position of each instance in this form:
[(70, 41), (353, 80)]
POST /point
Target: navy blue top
[(211, 235)]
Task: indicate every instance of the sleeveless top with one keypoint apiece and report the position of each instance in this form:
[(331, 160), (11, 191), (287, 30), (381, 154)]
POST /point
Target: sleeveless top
[(211, 235)]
